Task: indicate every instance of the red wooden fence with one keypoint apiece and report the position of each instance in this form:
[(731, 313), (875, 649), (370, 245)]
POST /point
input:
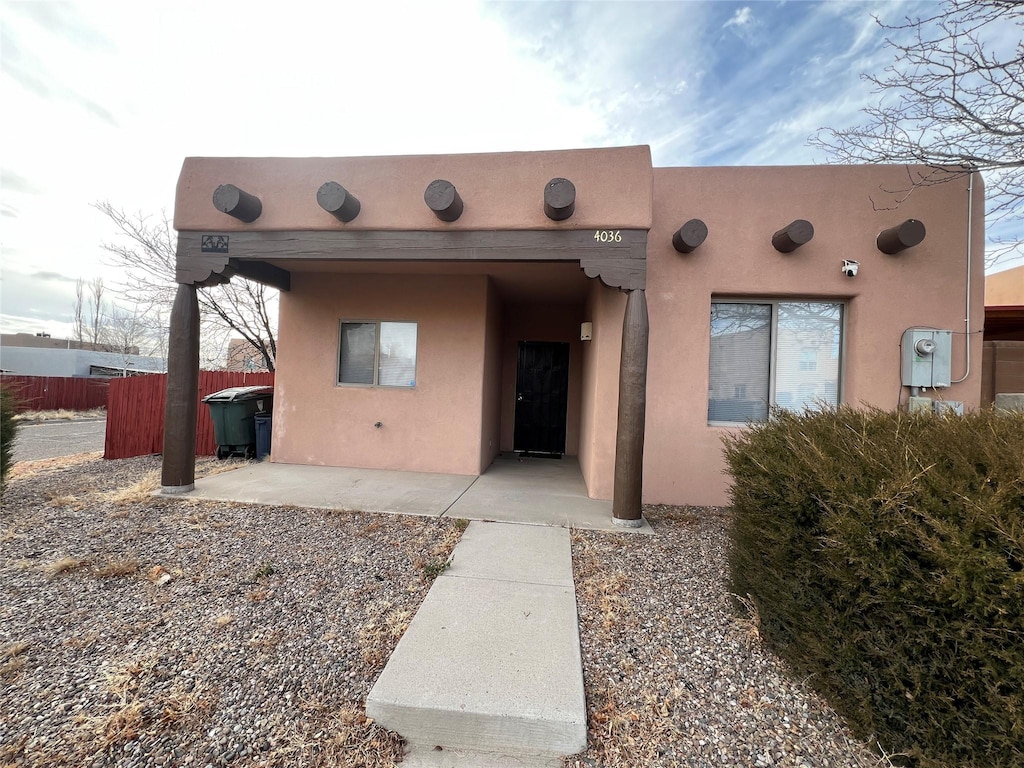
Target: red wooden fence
[(135, 412), (51, 393)]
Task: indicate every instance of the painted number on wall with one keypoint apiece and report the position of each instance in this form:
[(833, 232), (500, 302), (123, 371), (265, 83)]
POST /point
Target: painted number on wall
[(608, 236)]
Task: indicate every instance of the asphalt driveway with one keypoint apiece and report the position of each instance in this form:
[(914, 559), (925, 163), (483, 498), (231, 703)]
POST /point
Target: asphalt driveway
[(51, 439)]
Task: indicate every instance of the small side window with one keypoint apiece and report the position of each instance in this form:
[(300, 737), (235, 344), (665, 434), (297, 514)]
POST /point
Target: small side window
[(376, 353)]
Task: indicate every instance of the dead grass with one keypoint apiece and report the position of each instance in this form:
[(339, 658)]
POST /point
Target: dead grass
[(63, 565), (328, 737), (13, 658), (114, 567), (11, 667), (223, 619), (751, 622), (25, 469), (59, 500), (211, 467), (137, 493), (260, 594), (136, 710), (381, 632), (11, 650), (267, 640), (61, 414), (599, 587)]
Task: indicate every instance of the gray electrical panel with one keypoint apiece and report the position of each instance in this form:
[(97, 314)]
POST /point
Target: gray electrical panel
[(926, 358)]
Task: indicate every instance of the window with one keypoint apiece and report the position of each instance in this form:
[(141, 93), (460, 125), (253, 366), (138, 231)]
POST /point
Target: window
[(784, 353), (379, 354)]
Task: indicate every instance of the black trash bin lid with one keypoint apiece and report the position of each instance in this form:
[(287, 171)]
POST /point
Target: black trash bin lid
[(239, 394)]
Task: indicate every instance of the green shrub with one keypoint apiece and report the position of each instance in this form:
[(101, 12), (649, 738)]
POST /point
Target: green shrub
[(8, 431), (884, 553)]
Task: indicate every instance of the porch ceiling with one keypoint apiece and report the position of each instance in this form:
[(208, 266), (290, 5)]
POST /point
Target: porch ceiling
[(516, 282)]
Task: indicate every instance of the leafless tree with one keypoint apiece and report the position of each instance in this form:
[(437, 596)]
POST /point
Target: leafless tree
[(90, 310), (147, 252), (953, 96), (78, 331)]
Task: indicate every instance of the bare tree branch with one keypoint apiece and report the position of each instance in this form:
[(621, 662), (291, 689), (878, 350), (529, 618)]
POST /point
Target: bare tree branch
[(953, 101), (147, 253)]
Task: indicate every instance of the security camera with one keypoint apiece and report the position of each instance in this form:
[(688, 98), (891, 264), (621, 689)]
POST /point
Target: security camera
[(850, 267)]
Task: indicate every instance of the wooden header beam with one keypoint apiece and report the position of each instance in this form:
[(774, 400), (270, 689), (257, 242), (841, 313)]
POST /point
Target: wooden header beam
[(617, 257)]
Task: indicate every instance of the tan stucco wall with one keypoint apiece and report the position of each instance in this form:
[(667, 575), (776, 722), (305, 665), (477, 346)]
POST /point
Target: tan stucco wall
[(541, 323), (500, 190), (600, 389), (435, 426), (924, 286), (1005, 289)]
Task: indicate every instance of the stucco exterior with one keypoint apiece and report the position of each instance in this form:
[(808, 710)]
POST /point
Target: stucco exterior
[(742, 207), (473, 308)]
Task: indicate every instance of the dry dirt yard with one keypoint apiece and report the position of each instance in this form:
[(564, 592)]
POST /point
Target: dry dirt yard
[(141, 632)]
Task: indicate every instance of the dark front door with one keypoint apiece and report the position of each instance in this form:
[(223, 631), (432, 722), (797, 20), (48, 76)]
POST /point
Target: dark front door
[(542, 396)]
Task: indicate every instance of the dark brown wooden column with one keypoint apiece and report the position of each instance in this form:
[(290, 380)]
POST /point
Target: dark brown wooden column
[(629, 436), (179, 468)]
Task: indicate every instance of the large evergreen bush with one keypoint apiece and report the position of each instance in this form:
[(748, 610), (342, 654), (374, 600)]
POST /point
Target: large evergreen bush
[(884, 553)]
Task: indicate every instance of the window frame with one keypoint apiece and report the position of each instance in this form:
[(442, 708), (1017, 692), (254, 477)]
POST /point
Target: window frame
[(772, 345), (376, 354)]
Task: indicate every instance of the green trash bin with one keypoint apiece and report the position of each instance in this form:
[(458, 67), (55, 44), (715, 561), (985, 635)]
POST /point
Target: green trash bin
[(233, 413)]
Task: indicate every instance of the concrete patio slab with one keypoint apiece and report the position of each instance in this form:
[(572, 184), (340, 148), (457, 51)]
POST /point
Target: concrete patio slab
[(491, 661), (533, 491), (537, 491), (377, 490)]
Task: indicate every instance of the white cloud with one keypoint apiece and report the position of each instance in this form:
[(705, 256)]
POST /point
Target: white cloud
[(104, 100), (741, 18)]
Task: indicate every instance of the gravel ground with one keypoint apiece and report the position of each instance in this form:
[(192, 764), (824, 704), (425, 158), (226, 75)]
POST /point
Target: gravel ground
[(141, 632), (672, 677)]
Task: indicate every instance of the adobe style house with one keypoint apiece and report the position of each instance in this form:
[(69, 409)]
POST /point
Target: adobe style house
[(437, 310)]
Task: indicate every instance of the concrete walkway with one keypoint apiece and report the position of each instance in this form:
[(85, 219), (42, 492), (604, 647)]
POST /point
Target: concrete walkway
[(490, 669), (512, 489)]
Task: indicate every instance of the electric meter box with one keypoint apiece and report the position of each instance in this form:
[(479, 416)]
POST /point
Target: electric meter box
[(926, 357)]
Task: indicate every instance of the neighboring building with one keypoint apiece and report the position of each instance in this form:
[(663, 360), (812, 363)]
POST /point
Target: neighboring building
[(1003, 357), (244, 357), (436, 310), (45, 341), (40, 355)]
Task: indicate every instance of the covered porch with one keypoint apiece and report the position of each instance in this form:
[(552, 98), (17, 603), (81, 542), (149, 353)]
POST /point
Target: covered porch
[(472, 289)]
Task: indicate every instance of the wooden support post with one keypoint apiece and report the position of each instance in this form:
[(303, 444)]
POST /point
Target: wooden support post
[(629, 436), (689, 236), (899, 238), (337, 201), (792, 236), (180, 414), (443, 199), (233, 201), (559, 199)]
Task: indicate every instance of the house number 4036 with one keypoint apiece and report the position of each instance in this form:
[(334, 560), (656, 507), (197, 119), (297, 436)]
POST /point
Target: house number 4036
[(608, 236)]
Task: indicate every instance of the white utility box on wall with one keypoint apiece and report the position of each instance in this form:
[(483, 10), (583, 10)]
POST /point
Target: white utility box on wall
[(926, 357)]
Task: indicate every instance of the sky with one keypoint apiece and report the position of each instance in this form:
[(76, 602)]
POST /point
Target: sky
[(103, 99)]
